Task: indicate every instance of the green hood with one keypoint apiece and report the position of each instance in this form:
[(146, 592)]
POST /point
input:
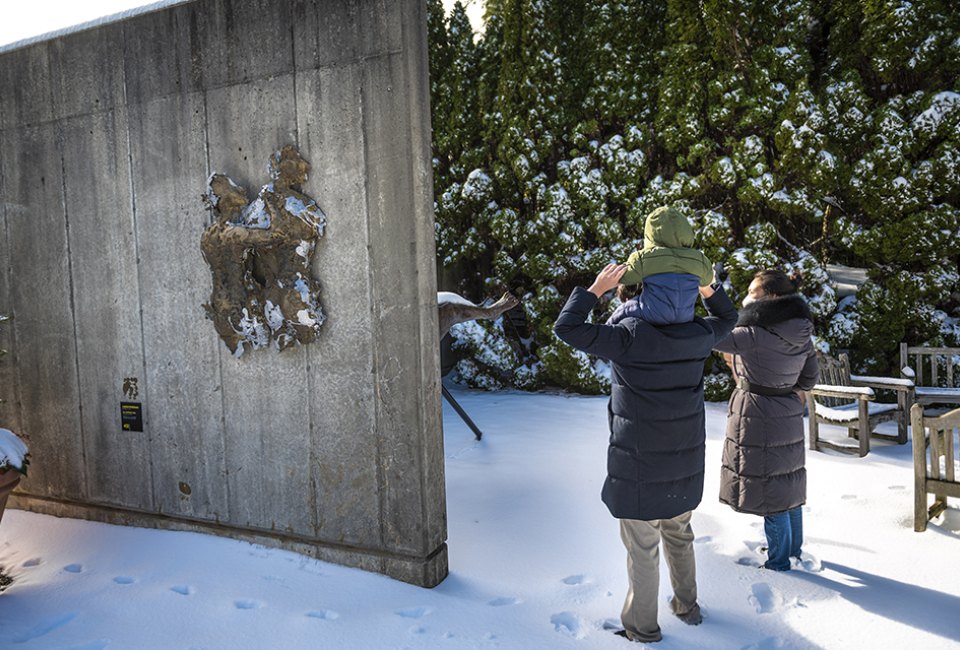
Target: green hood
[(667, 228), (667, 248)]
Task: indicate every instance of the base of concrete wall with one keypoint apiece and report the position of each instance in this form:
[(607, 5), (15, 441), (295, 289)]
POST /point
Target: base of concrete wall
[(426, 571)]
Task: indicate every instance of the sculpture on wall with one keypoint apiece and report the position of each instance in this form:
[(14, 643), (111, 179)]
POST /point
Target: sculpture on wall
[(259, 254)]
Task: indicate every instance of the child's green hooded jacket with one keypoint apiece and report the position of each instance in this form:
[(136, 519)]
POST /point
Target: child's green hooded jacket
[(667, 248)]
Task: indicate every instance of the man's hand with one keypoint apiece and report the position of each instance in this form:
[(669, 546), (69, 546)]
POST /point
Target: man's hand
[(607, 279)]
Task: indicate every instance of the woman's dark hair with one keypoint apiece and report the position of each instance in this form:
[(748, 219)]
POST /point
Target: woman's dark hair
[(774, 282)]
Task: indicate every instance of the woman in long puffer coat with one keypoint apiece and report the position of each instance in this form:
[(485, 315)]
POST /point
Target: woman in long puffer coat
[(773, 362)]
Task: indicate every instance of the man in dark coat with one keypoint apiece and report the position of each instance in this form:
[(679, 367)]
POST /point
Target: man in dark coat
[(655, 460)]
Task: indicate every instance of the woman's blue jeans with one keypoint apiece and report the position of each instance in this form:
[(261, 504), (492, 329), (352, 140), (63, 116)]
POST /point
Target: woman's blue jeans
[(784, 532)]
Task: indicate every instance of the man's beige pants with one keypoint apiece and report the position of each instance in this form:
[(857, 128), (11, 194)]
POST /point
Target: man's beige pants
[(642, 539)]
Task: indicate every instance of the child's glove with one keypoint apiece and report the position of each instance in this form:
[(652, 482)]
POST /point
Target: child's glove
[(720, 272)]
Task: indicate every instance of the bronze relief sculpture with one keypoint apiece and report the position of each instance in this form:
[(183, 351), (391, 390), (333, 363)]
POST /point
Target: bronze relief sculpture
[(260, 254)]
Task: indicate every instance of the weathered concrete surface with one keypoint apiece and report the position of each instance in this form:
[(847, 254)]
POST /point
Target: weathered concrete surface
[(429, 454), (168, 150), (329, 117), (41, 299), (23, 104), (107, 137), (9, 400), (103, 267)]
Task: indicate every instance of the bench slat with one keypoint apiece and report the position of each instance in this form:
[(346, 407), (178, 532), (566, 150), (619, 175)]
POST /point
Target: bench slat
[(947, 394), (949, 456), (935, 453), (921, 349), (927, 362), (943, 487)]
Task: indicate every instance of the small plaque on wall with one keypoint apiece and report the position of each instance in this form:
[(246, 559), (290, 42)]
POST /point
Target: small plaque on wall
[(131, 416)]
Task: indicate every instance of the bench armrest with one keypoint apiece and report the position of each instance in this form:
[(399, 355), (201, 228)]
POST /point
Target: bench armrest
[(889, 383), (848, 392)]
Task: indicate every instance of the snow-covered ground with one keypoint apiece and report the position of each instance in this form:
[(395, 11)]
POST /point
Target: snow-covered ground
[(535, 562)]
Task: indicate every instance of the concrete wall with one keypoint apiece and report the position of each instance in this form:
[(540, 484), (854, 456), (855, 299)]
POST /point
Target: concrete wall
[(107, 137)]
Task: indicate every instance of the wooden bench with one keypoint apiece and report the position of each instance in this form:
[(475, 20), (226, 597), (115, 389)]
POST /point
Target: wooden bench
[(847, 400), (937, 434), (932, 372)]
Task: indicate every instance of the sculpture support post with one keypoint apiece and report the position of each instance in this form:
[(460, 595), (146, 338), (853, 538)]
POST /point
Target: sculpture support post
[(463, 414)]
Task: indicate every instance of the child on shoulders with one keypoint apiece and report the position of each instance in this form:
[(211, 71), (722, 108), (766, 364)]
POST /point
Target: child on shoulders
[(670, 269)]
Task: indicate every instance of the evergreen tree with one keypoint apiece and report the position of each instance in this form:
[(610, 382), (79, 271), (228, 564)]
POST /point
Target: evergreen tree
[(566, 123), (892, 64)]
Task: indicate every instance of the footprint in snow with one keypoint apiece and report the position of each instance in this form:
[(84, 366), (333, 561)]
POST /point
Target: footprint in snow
[(73, 568), (99, 644), (32, 562), (763, 597), (806, 562), (124, 580), (848, 497), (324, 615), (897, 487), (503, 601), (574, 580), (757, 547), (272, 578), (183, 590), (307, 567), (44, 627), (569, 624), (413, 612), (703, 540), (770, 643), (757, 551), (247, 604)]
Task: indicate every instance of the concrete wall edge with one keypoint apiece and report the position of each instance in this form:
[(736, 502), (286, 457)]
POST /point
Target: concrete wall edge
[(423, 571)]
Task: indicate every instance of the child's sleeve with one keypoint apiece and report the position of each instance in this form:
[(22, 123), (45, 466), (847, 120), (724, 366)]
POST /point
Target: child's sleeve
[(634, 274), (705, 272)]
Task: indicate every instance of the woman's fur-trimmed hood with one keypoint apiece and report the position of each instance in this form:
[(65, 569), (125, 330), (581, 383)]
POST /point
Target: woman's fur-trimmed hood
[(786, 317), (771, 311)]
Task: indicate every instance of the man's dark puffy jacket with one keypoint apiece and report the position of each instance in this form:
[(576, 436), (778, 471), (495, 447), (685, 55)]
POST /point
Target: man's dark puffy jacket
[(657, 433)]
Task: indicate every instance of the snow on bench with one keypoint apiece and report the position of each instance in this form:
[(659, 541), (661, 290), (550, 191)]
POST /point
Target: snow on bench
[(847, 413), (847, 400)]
